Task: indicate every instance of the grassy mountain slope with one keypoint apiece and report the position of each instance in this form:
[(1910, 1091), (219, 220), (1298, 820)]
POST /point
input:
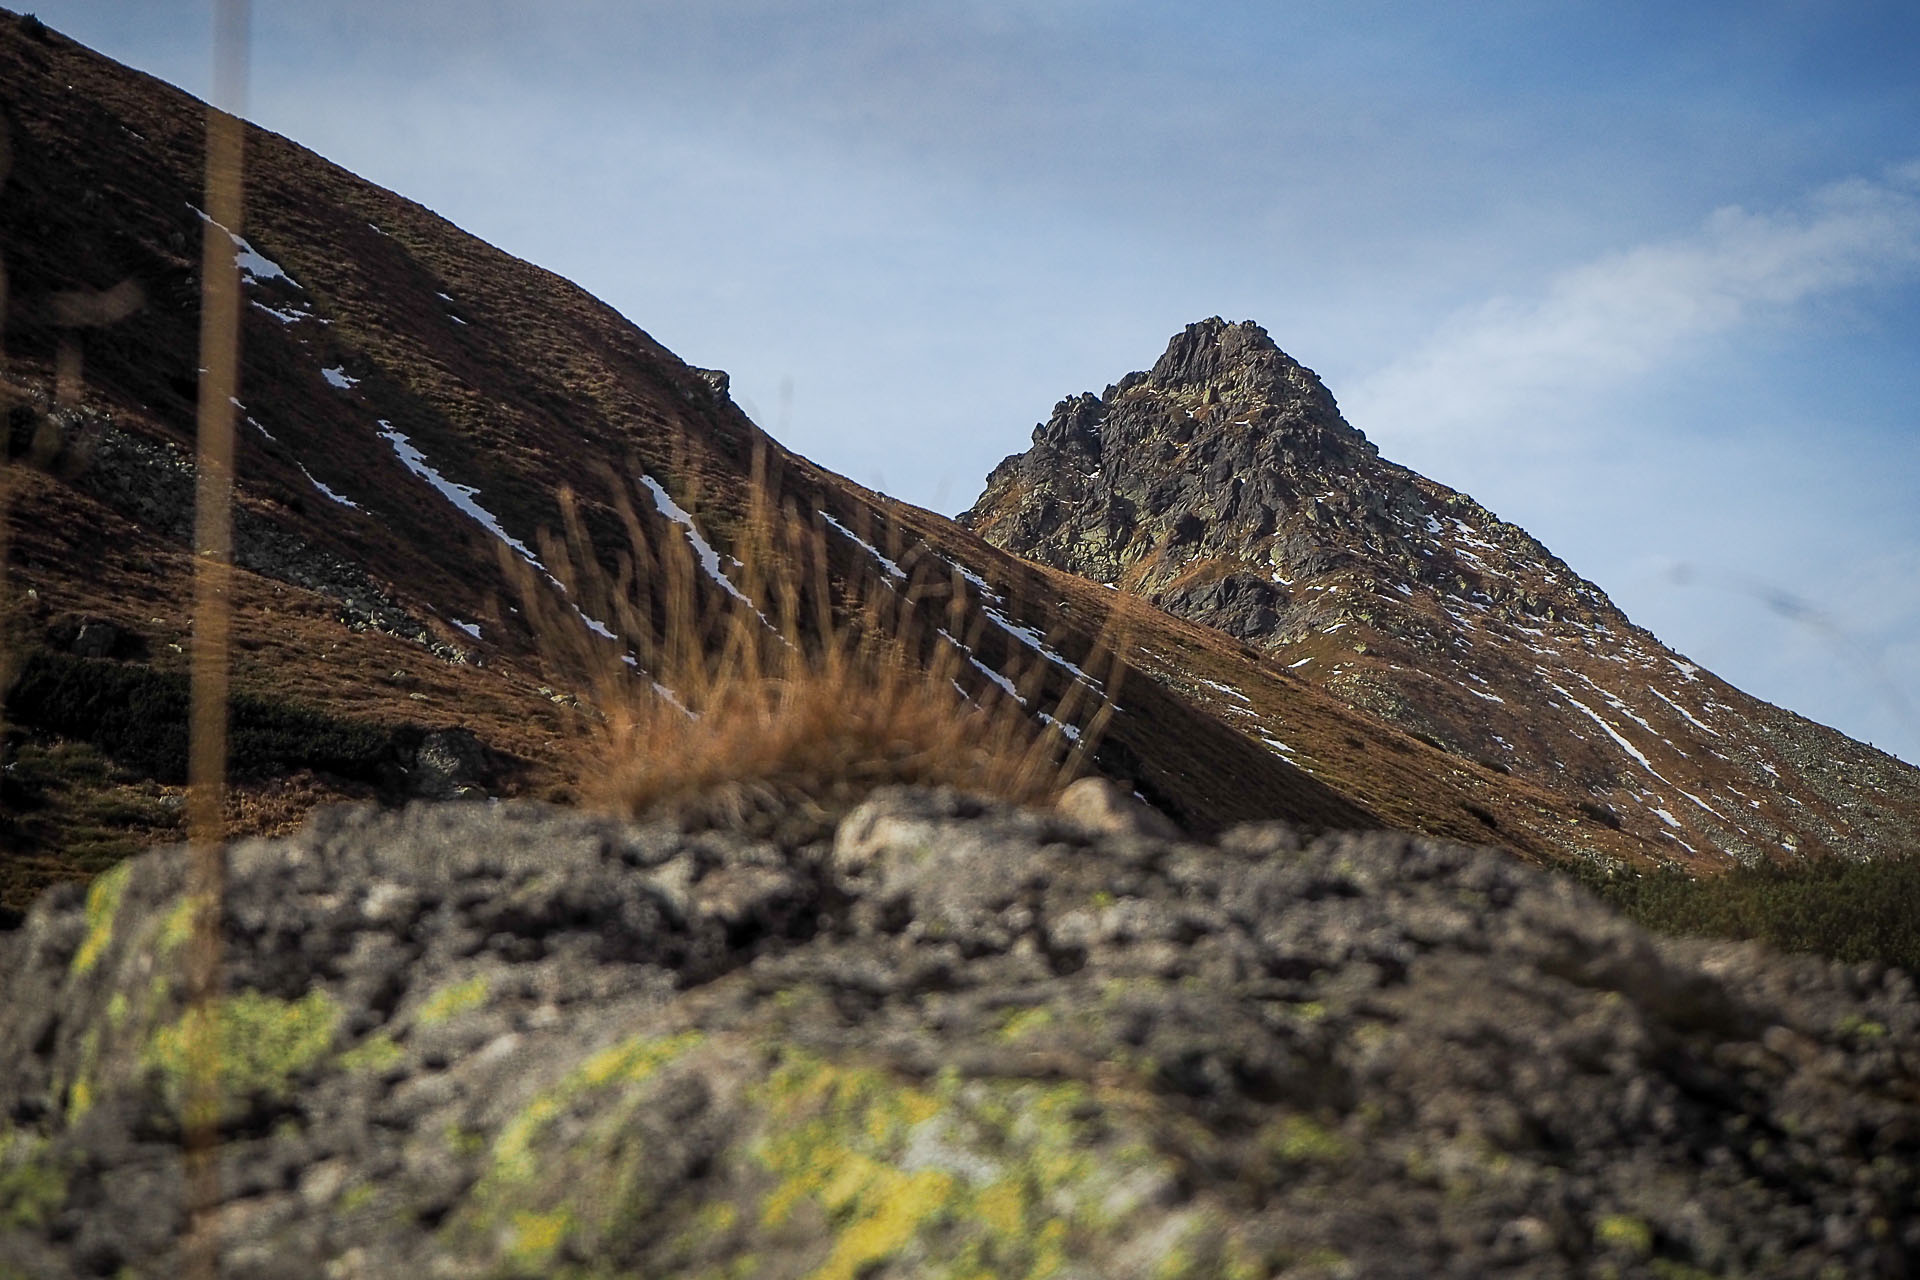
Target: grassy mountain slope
[(414, 401)]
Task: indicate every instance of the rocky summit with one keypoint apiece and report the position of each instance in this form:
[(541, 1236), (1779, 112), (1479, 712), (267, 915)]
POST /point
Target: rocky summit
[(1224, 486), (955, 1039)]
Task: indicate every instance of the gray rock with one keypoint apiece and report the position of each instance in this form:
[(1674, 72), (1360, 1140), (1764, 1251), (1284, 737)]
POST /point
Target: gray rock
[(511, 1040), (450, 764), (95, 640), (1098, 805)]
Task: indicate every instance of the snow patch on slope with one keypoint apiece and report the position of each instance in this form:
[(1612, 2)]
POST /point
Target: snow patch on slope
[(328, 493), (702, 549), (1693, 719), (989, 605), (893, 570), (254, 265), (1613, 733), (461, 496)]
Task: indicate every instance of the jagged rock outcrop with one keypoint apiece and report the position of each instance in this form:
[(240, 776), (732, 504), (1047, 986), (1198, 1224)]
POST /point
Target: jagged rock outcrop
[(1224, 486), (960, 1038)]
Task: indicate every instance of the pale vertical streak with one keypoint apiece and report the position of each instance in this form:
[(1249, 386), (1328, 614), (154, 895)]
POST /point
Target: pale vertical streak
[(220, 305), (66, 369), (6, 463)]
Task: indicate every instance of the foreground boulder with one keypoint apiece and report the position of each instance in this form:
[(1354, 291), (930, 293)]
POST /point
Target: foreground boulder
[(470, 1040)]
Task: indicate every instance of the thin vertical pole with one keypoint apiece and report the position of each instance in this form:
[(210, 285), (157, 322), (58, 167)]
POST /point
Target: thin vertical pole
[(220, 305)]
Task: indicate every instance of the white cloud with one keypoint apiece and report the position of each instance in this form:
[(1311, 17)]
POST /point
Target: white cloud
[(1511, 363)]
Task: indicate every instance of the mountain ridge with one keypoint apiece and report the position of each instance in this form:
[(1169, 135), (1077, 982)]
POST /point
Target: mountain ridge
[(413, 401)]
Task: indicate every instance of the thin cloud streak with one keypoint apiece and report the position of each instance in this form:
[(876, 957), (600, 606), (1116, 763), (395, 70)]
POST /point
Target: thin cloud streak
[(1513, 365)]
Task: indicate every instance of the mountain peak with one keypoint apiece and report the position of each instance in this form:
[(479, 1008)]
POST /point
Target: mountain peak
[(1225, 487), (1203, 350), (1238, 361)]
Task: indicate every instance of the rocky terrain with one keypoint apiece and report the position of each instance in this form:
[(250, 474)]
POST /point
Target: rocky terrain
[(956, 1039), (1224, 486)]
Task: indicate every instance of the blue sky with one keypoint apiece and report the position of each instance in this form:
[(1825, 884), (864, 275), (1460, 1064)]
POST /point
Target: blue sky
[(1643, 278)]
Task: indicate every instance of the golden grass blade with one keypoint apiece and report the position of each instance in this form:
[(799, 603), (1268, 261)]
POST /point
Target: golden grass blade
[(220, 305), (6, 474)]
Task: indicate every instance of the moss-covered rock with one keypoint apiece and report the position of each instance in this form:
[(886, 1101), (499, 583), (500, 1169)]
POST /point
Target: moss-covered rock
[(511, 1042)]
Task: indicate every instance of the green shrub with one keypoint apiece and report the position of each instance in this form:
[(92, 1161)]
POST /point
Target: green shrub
[(1849, 911)]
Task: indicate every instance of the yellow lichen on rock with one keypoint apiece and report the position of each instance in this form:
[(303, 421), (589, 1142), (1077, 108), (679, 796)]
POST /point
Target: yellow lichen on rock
[(260, 1043), (454, 998), (103, 903), (955, 1179)]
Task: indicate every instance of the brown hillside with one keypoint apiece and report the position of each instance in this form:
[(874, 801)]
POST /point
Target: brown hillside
[(414, 401)]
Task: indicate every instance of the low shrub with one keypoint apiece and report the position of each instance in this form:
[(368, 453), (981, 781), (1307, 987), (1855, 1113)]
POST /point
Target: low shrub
[(1849, 911)]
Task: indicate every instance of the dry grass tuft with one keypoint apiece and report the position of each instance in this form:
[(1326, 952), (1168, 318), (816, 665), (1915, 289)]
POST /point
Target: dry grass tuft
[(781, 707), (810, 741)]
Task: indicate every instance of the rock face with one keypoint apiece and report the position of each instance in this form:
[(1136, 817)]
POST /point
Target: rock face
[(960, 1039), (1224, 486)]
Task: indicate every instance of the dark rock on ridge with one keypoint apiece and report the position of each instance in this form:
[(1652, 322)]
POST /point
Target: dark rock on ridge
[(514, 1041), (1153, 463), (451, 764)]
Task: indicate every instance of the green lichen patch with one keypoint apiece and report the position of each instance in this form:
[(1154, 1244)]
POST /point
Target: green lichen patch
[(1299, 1139), (1209, 1249), (864, 1172), (32, 1187), (376, 1054), (255, 1044), (1855, 1027), (80, 1091), (356, 1197), (536, 1237), (1024, 1022), (454, 998), (1623, 1232), (1667, 1269), (176, 929), (103, 904), (627, 1065), (633, 1062), (543, 1190), (464, 1142)]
